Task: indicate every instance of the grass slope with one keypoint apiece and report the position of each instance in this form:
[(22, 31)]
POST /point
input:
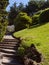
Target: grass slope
[(40, 37)]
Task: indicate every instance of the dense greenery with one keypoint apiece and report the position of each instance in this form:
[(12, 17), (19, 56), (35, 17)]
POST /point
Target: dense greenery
[(14, 11), (38, 36), (22, 21), (44, 16), (12, 14), (41, 17), (3, 18), (35, 19), (2, 29), (32, 7)]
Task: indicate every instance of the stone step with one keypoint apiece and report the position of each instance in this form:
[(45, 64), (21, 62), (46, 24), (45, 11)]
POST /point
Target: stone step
[(10, 44), (7, 45), (9, 61), (2, 43), (10, 40), (10, 56), (7, 54), (3, 63), (13, 56), (8, 51), (6, 60), (12, 62)]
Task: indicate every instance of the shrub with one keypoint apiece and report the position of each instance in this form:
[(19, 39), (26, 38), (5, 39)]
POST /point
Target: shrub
[(44, 16), (2, 29), (35, 19), (21, 51), (22, 21), (28, 52), (39, 12)]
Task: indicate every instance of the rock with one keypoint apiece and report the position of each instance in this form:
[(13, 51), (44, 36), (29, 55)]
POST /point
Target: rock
[(32, 56)]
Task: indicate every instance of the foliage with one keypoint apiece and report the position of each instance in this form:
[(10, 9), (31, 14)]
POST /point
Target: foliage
[(20, 7), (21, 51), (22, 21), (34, 6), (44, 16), (14, 11), (35, 19), (2, 29), (45, 5), (31, 7), (39, 36), (12, 14), (39, 12), (3, 19)]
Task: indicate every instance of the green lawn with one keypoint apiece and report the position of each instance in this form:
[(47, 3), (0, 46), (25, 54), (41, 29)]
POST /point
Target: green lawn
[(40, 37)]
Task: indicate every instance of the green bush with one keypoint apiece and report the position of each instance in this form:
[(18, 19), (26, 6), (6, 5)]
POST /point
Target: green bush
[(21, 51), (35, 19), (44, 16), (39, 12), (22, 21), (25, 43), (2, 29)]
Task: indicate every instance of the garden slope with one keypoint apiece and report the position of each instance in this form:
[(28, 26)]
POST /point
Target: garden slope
[(40, 37)]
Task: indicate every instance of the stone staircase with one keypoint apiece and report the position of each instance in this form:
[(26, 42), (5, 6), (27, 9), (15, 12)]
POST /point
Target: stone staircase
[(8, 52)]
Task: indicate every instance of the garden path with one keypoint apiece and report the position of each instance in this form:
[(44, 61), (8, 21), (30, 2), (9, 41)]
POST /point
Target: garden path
[(8, 49)]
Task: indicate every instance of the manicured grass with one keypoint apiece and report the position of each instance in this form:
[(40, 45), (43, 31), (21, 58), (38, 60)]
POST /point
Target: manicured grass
[(38, 36)]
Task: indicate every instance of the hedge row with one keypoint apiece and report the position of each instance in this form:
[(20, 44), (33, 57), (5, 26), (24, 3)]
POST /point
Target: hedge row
[(41, 17)]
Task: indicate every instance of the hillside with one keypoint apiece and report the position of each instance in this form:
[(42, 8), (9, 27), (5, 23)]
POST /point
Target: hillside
[(38, 36)]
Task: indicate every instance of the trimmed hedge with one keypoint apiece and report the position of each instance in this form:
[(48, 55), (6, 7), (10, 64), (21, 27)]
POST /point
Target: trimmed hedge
[(41, 17), (44, 16), (22, 21), (39, 12), (35, 19)]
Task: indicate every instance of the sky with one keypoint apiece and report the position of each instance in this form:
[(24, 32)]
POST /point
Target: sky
[(11, 2)]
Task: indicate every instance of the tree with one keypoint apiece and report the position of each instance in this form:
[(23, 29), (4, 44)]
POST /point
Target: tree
[(20, 7), (45, 5), (31, 7), (12, 14), (14, 10)]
